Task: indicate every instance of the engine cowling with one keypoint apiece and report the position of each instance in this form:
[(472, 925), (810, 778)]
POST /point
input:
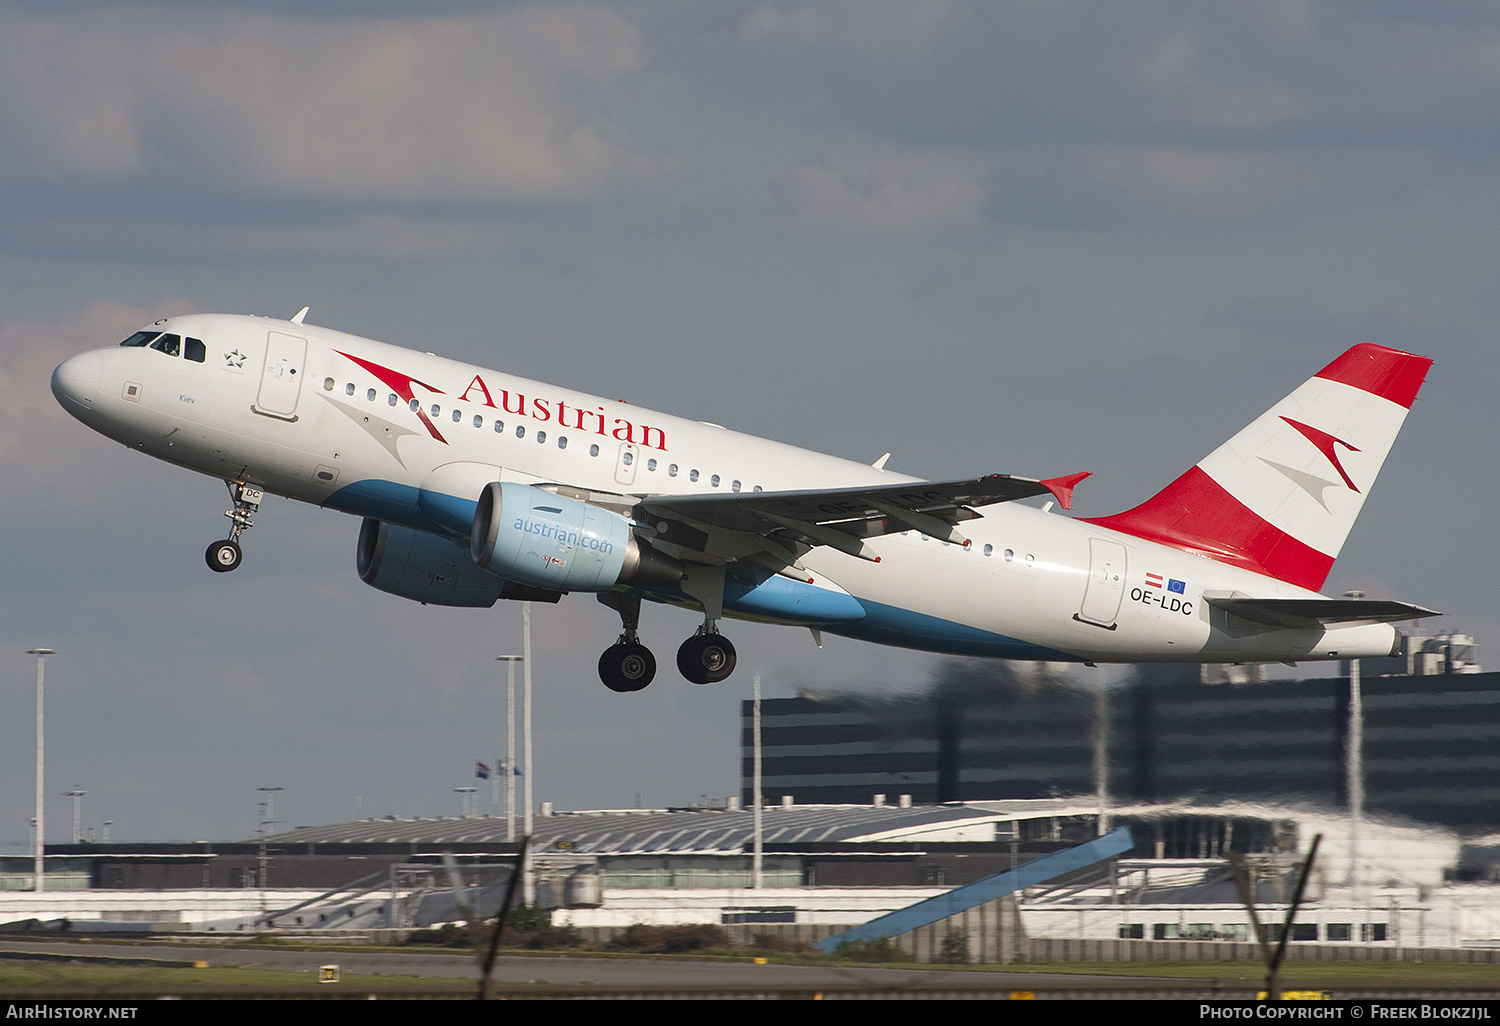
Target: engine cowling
[(531, 535), (433, 569)]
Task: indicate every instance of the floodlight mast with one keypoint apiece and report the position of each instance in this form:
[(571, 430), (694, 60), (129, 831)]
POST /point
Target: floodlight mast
[(510, 743), (39, 863)]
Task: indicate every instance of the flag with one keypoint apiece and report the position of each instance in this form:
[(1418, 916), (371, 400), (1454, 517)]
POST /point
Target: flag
[(481, 771)]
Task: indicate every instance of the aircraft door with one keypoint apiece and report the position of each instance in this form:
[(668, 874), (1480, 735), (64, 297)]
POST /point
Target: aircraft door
[(1106, 585), (281, 377), (630, 455)]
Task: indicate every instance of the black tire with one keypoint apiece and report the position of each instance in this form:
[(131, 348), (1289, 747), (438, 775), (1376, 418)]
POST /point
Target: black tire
[(627, 667), (223, 556), (706, 658)]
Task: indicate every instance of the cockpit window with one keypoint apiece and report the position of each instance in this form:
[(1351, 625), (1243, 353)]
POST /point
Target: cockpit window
[(140, 338), (197, 351), (169, 344)]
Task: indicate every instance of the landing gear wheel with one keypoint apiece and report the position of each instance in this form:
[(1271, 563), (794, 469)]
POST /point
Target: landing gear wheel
[(627, 667), (223, 556), (706, 658)]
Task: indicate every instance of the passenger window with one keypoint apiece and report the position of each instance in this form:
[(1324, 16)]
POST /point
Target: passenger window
[(458, 415), (692, 475), (436, 409), (757, 488), (197, 351), (499, 426), (593, 450), (478, 421), (520, 430), (349, 388), (562, 441), (370, 395), (672, 470), (416, 407), (328, 384), (734, 486), (541, 437), (627, 458), (989, 550), (651, 464), (392, 399)]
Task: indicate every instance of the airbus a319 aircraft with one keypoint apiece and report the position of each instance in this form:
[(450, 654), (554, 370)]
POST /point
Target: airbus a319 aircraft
[(476, 485)]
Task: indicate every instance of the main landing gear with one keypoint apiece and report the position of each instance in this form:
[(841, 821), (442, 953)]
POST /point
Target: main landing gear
[(707, 657), (627, 665), (224, 556)]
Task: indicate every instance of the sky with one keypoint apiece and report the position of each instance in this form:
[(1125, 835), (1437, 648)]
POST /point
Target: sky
[(985, 237)]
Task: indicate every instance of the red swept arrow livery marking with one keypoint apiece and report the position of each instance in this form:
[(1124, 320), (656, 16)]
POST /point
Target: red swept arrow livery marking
[(401, 385), (1325, 443)]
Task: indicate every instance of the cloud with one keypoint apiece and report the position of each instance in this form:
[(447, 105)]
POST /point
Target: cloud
[(522, 105), (888, 194), (1162, 113)]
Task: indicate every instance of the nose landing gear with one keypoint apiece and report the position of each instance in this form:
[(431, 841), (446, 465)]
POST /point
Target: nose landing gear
[(223, 556)]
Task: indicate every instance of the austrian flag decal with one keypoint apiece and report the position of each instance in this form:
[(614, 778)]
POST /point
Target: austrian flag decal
[(1172, 583)]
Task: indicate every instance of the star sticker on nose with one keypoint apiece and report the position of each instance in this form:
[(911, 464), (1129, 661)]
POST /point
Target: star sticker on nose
[(234, 359)]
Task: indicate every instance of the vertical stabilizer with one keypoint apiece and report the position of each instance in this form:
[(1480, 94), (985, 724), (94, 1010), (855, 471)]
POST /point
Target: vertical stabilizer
[(1280, 497)]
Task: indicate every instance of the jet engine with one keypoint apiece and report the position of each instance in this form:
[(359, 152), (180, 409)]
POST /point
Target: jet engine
[(530, 535), (431, 568)]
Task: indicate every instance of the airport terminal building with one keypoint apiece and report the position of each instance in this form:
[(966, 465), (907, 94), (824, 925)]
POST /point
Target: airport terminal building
[(991, 731)]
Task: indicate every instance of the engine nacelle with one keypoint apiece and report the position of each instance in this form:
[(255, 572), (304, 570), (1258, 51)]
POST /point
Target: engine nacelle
[(527, 534), (431, 568)]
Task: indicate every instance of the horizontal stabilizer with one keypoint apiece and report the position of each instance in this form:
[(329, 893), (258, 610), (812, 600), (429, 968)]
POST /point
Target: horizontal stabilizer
[(1316, 612)]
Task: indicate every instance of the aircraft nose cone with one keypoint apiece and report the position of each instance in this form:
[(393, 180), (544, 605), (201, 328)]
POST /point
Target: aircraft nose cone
[(75, 382)]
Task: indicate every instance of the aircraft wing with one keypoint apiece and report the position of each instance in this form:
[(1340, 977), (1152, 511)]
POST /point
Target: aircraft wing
[(840, 517), (1316, 612)]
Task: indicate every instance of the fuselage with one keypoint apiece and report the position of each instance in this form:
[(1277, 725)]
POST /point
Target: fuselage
[(412, 438)]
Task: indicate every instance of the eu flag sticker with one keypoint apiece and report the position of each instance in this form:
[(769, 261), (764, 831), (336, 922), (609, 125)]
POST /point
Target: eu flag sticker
[(1180, 587)]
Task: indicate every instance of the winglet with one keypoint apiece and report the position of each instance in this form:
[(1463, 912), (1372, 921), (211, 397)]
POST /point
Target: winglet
[(297, 317), (1062, 487)]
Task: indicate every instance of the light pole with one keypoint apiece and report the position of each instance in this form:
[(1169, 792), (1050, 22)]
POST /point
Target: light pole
[(76, 794), (39, 867), (1354, 766), (528, 878), (757, 860), (469, 795), (267, 818), (510, 743)]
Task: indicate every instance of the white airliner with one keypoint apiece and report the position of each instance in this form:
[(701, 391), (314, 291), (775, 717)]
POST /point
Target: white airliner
[(476, 485)]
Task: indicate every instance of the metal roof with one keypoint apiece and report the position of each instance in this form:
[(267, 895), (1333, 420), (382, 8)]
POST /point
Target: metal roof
[(695, 831)]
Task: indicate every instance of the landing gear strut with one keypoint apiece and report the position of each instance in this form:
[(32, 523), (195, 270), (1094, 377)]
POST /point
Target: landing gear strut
[(707, 657), (224, 556)]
